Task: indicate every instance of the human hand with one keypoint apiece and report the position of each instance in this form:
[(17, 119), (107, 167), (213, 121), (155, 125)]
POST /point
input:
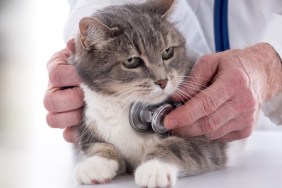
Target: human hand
[(64, 97), (226, 91)]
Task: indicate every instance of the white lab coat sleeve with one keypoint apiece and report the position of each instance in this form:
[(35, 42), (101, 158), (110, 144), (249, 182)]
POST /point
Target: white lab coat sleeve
[(185, 19), (273, 109), (272, 34)]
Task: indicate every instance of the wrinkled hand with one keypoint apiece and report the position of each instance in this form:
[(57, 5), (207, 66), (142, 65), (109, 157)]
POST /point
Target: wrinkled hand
[(225, 92), (64, 98)]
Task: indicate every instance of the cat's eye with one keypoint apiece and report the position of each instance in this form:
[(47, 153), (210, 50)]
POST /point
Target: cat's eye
[(133, 62), (168, 53)]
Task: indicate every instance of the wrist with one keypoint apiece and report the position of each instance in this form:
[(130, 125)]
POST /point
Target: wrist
[(269, 67)]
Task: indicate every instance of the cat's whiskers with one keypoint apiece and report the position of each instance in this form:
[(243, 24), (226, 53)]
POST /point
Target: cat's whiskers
[(123, 91), (191, 101), (222, 100), (132, 97), (189, 76), (193, 85), (213, 94)]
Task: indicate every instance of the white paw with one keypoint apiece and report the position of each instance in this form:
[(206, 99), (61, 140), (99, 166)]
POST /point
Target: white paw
[(155, 173), (96, 170)]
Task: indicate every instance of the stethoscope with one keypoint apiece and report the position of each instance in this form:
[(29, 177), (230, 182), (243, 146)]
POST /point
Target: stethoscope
[(150, 118)]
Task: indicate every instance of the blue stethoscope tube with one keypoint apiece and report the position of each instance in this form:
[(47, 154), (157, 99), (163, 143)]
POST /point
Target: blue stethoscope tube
[(221, 25)]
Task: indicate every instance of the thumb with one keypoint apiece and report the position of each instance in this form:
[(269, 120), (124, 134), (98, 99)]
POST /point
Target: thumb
[(71, 45)]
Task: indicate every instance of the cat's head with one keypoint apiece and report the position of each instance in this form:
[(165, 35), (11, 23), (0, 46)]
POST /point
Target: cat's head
[(132, 52)]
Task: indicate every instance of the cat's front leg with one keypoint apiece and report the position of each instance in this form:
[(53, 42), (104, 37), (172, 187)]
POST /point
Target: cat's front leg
[(174, 156), (159, 167), (156, 173), (103, 162)]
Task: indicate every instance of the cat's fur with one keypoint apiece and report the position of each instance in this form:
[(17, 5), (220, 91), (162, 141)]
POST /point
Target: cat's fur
[(109, 144)]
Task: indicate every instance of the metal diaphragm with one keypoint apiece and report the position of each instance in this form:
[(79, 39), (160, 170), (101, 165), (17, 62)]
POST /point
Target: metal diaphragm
[(144, 117)]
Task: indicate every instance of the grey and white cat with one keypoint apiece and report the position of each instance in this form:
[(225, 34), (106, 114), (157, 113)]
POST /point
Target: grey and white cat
[(126, 54)]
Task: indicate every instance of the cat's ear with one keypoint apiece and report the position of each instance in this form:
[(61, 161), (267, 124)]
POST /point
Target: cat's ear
[(93, 31), (164, 7)]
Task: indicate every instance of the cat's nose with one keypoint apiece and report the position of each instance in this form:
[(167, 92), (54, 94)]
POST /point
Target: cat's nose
[(162, 83)]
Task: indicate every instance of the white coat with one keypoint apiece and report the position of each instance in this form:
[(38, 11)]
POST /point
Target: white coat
[(249, 22)]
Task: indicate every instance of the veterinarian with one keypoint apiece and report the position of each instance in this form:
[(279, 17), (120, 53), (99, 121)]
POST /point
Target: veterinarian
[(243, 70)]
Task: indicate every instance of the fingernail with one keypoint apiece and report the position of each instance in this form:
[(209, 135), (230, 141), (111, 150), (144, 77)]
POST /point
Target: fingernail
[(170, 123)]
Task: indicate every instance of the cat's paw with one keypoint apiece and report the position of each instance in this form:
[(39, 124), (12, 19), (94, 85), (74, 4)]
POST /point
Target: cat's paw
[(155, 173), (96, 170)]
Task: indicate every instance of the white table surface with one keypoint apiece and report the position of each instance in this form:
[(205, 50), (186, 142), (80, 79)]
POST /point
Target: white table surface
[(45, 160)]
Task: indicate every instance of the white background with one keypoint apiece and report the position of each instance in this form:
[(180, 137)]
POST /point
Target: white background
[(32, 31)]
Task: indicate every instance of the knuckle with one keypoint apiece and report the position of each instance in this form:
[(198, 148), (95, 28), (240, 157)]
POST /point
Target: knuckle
[(205, 58), (245, 133), (49, 102), (68, 135), (78, 95), (61, 55), (51, 120), (55, 75), (209, 125), (249, 120), (251, 101), (185, 111), (240, 78), (77, 117), (238, 81), (208, 105), (248, 103)]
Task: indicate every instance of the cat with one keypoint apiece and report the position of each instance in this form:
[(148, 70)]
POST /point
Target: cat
[(125, 54)]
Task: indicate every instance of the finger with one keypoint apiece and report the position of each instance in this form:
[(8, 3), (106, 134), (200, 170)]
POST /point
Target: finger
[(63, 100), (211, 123), (243, 121), (63, 75), (244, 128), (71, 45), (71, 134), (236, 135), (60, 55), (201, 105), (231, 126), (65, 119)]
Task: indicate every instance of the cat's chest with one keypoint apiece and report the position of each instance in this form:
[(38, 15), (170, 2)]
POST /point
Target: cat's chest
[(112, 124)]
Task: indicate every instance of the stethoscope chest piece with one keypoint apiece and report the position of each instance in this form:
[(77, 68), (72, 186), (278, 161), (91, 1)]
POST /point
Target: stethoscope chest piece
[(145, 118), (159, 116), (139, 117)]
